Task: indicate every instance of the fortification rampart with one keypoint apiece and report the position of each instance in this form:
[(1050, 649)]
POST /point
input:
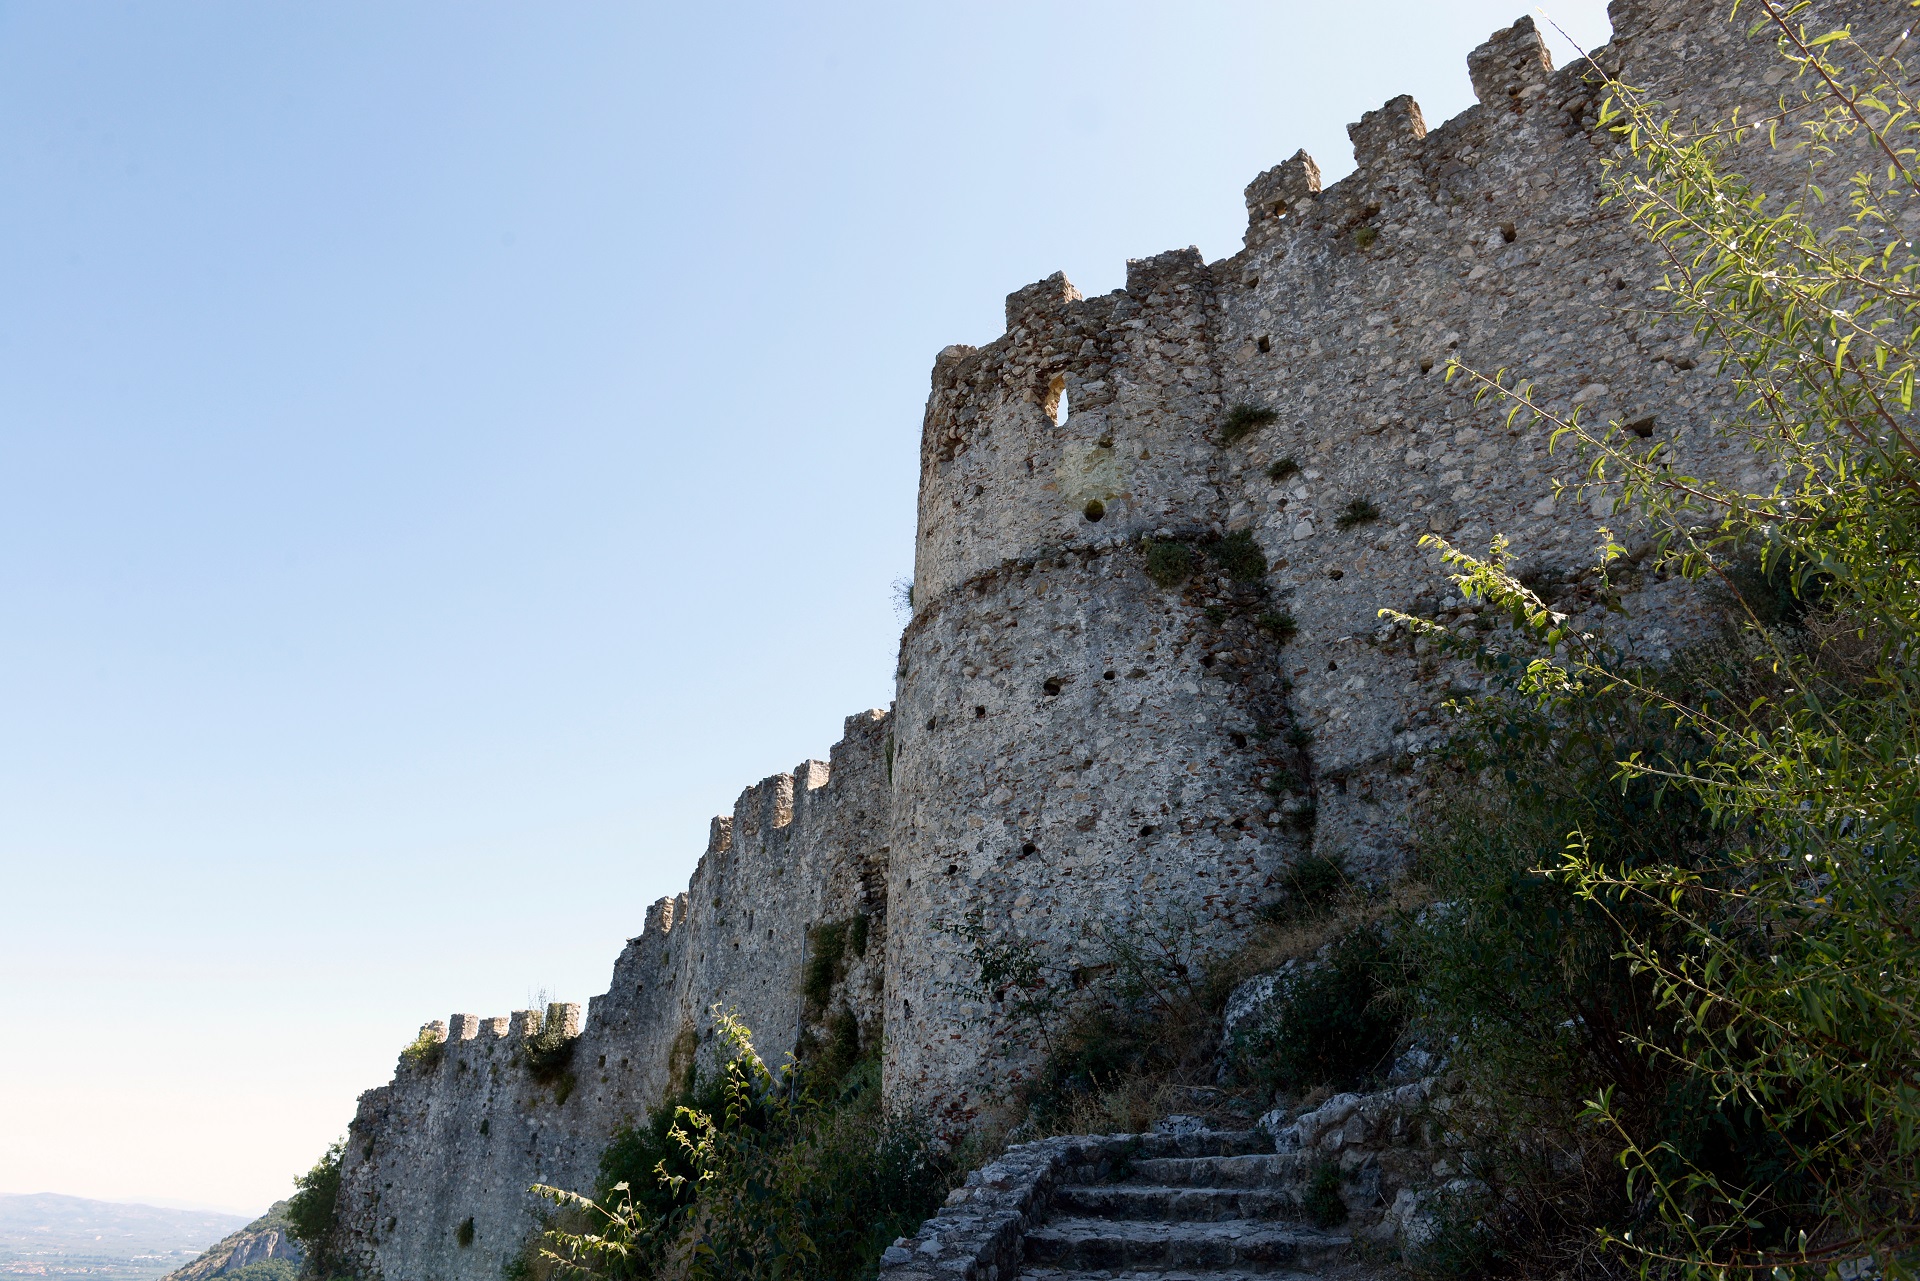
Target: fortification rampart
[(1086, 739), (435, 1175)]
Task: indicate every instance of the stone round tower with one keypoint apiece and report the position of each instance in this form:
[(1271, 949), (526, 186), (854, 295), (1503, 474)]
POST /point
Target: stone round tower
[(1080, 748)]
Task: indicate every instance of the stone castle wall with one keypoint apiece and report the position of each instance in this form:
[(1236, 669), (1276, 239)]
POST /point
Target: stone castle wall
[(1074, 747), (460, 1134)]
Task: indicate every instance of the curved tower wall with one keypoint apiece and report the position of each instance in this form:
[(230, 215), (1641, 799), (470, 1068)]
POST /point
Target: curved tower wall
[(1124, 801)]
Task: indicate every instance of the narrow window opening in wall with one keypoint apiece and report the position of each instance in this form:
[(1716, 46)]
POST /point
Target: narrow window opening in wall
[(931, 720), (1508, 232), (906, 1010), (1057, 407), (1265, 344)]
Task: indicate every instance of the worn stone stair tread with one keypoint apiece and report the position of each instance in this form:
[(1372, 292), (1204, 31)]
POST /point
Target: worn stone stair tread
[(1172, 1274), (1137, 1243), (1253, 1170), (1178, 1202)]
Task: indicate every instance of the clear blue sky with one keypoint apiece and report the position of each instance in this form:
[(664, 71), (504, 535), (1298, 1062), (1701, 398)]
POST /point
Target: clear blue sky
[(447, 450)]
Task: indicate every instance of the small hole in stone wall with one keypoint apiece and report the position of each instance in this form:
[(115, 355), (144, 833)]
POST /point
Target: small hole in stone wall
[(952, 868), (1147, 831), (1426, 364), (603, 1060), (1336, 574), (1332, 666), (931, 720), (1108, 675), (1239, 740), (1028, 848), (1642, 427), (1206, 660), (1265, 343), (1619, 284), (769, 935), (1051, 685), (1253, 282), (1057, 407), (1094, 510), (736, 945), (979, 713), (1508, 232)]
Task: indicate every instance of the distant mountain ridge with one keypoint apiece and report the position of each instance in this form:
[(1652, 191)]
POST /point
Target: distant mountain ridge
[(46, 1234)]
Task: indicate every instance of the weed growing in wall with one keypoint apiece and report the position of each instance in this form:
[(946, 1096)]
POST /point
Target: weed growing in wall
[(424, 1051), (549, 1052), (1278, 624), (1240, 556), (1360, 511), (1243, 420), (1168, 562), (1281, 468)]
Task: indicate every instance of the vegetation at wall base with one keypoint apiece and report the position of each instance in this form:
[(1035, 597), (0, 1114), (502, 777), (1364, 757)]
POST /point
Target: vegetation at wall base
[(750, 1173), (310, 1209), (1691, 891)]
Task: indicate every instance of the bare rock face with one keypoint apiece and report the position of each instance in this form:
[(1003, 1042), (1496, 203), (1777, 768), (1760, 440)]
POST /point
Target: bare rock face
[(1146, 670), (263, 1239)]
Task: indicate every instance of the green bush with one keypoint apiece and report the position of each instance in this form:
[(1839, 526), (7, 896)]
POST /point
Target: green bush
[(1363, 237), (1240, 556), (754, 1174), (1334, 1023), (1243, 420), (1168, 562), (1705, 949), (1323, 1202), (1310, 889), (310, 1208), (424, 1051), (826, 948)]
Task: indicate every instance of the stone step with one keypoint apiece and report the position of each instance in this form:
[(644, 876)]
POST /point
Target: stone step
[(1262, 1170), (1246, 1244), (1185, 1204), (1178, 1274)]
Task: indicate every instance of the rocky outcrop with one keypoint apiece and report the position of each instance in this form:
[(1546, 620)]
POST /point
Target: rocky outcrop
[(265, 1238)]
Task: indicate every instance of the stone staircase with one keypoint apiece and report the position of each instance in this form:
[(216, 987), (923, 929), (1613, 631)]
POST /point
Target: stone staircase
[(1199, 1205), (1231, 1210)]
